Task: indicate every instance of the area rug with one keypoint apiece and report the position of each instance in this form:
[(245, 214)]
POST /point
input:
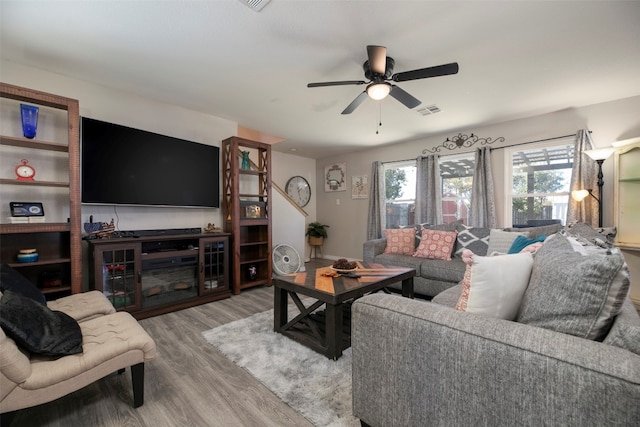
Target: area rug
[(316, 387)]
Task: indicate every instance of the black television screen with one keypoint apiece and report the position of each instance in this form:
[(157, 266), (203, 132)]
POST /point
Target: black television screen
[(122, 165)]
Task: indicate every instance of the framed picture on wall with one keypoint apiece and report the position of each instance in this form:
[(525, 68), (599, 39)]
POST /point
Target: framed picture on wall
[(335, 177), (360, 187)]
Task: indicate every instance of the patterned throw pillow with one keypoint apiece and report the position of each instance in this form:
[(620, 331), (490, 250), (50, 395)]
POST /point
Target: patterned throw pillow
[(574, 293), (417, 228), (500, 241), (436, 244), (400, 241), (476, 239), (494, 286)]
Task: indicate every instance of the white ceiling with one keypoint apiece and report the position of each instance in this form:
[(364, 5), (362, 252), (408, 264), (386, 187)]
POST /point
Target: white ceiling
[(517, 59)]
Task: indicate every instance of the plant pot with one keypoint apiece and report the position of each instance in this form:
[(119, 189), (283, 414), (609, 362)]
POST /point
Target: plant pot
[(316, 241)]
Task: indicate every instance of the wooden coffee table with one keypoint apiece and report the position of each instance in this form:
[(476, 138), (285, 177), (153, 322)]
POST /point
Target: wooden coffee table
[(326, 334)]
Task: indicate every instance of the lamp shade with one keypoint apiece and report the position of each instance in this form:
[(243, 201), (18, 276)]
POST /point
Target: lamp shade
[(579, 195), (600, 153), (378, 91)]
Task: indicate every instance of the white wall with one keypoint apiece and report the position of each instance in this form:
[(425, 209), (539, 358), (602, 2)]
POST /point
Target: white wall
[(609, 122)]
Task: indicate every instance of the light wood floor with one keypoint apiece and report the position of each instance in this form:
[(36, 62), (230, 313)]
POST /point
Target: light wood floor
[(190, 383)]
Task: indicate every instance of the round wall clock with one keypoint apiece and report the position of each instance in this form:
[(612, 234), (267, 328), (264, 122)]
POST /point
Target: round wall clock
[(299, 190), (25, 172)]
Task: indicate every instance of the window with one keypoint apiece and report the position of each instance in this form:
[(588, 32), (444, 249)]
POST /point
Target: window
[(456, 173), (540, 179), (400, 188)]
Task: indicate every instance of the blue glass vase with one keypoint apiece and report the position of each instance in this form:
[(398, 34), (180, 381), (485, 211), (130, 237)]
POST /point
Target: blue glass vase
[(29, 115), (246, 164)]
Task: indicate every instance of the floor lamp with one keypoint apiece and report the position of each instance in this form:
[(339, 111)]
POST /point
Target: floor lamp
[(599, 155)]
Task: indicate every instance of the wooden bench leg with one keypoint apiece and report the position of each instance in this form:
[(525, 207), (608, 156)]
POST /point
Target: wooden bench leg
[(7, 418), (137, 380)]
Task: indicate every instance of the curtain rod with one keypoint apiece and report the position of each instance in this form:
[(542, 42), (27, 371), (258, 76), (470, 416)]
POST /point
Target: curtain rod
[(492, 148)]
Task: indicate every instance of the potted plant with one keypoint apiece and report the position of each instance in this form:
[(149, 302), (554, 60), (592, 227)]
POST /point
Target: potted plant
[(317, 233)]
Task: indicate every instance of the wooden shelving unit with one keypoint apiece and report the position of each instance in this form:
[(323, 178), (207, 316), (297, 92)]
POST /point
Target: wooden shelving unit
[(58, 243), (246, 211)]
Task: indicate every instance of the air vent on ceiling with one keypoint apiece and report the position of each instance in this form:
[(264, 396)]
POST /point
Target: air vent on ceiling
[(429, 109), (256, 5)]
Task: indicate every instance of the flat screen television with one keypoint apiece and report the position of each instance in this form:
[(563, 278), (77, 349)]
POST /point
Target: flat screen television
[(126, 166)]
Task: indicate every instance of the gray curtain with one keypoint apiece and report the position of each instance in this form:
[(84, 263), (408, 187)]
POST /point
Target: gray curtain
[(483, 199), (377, 218), (583, 177), (428, 191)]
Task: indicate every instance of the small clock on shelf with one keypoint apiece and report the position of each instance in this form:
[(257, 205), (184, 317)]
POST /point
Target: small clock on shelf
[(299, 190), (24, 171)]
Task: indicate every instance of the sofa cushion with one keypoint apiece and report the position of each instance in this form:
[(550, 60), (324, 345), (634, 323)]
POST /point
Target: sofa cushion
[(625, 332), (446, 271), (448, 297), (400, 261), (573, 293), (38, 329), (545, 230), (588, 235), (494, 286), (10, 279), (400, 241), (436, 244), (500, 241), (475, 239)]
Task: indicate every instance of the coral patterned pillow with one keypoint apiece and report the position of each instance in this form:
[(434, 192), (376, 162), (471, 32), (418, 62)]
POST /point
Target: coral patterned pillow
[(436, 244), (400, 241)]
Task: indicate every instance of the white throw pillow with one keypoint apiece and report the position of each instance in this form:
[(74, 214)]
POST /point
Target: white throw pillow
[(494, 286)]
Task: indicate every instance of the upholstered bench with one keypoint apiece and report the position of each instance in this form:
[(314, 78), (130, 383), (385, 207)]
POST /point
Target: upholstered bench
[(110, 343)]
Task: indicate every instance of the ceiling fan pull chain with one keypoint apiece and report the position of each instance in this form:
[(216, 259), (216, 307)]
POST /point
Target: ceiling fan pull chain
[(379, 117)]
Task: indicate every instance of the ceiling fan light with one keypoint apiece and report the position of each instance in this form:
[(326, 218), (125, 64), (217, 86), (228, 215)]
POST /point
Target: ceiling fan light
[(378, 91)]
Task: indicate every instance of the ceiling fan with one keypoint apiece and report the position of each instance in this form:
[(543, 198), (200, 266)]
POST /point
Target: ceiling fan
[(378, 69)]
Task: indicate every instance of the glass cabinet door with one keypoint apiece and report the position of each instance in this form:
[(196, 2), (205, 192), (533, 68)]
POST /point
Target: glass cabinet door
[(213, 265), (120, 275)]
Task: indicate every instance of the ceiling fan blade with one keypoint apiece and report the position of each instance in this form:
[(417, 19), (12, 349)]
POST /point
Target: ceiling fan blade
[(377, 59), (423, 73), (341, 83), (354, 104), (404, 97)]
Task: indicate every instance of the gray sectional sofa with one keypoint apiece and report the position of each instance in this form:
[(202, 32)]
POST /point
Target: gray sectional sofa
[(424, 363), (435, 276)]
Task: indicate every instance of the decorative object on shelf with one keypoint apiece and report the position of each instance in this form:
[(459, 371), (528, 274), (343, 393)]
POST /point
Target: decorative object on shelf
[(50, 279), (99, 230), (27, 255), (335, 177), (246, 163), (461, 141), (24, 171), (360, 187), (253, 272), (211, 228), (26, 209), (250, 209), (299, 190), (29, 115), (599, 155)]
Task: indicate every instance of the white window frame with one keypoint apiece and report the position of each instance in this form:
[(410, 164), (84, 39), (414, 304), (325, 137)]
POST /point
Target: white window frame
[(398, 165), (508, 168)]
